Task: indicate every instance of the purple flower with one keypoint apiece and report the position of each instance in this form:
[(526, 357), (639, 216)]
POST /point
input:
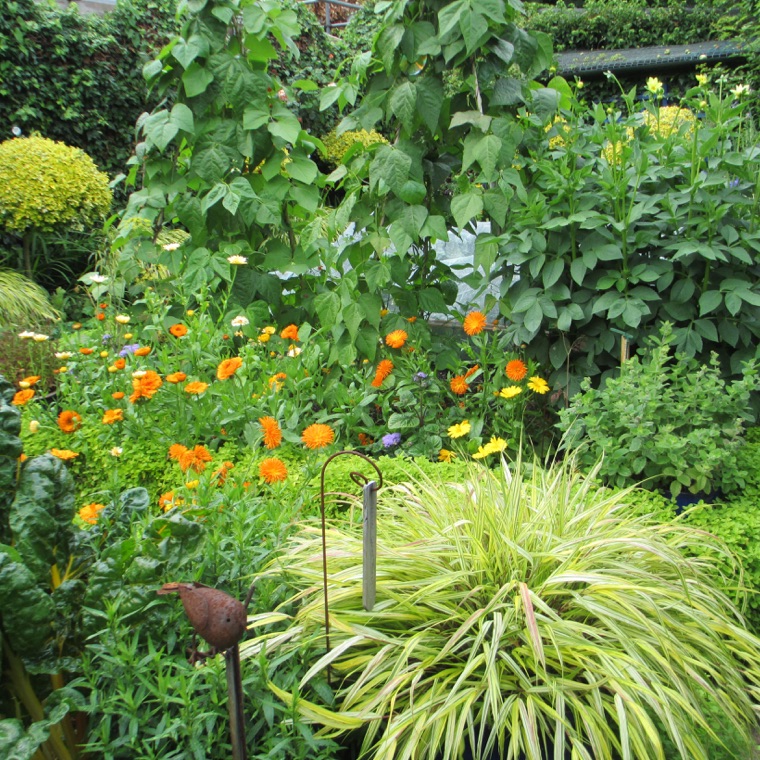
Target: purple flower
[(129, 349), (734, 182), (420, 376), (106, 338), (391, 439)]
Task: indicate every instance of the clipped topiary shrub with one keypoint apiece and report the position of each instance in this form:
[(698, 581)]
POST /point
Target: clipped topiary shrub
[(46, 185)]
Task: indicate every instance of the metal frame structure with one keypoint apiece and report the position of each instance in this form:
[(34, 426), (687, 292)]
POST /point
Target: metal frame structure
[(327, 3)]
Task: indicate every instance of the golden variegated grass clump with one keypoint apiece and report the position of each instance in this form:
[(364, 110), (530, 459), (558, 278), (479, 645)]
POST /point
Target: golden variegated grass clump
[(532, 615)]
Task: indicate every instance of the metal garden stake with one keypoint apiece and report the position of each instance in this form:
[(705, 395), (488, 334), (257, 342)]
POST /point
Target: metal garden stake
[(369, 535)]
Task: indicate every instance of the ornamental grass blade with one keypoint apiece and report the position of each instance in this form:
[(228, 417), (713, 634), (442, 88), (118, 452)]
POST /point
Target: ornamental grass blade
[(530, 619)]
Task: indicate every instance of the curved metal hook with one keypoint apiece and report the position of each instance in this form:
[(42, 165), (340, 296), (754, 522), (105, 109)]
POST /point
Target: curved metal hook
[(361, 480)]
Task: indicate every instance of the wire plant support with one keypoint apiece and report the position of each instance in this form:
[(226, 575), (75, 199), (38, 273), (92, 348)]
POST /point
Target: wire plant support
[(369, 533)]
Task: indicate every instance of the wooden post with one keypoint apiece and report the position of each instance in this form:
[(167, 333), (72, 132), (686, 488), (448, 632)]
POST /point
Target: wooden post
[(369, 544), (624, 349)]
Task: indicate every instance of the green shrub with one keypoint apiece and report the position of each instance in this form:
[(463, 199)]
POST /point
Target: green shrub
[(75, 77), (737, 524), (616, 230), (535, 615), (666, 420), (46, 184), (605, 25)]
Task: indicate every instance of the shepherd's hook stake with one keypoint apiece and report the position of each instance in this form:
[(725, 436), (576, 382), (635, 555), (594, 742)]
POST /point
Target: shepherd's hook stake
[(360, 480)]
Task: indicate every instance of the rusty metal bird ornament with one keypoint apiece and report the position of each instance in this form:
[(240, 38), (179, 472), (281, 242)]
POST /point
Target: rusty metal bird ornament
[(215, 616)]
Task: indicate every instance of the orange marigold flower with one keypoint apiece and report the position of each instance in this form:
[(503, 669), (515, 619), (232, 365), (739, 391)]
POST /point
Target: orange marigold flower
[(221, 472), (120, 363), (474, 323), (85, 351), (100, 316), (145, 386), (396, 339), (516, 370), (175, 450), (166, 501), (22, 397), (89, 513), (69, 421), (228, 367), (22, 457), (272, 432), (290, 333), (365, 440), (31, 380), (471, 371), (273, 470), (194, 458), (117, 395), (176, 377), (113, 415), (142, 351), (411, 320), (64, 454), (384, 368), (178, 330), (103, 305), (317, 436), (196, 387), (459, 385)]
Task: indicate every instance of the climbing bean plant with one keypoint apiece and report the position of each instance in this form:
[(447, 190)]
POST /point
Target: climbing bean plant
[(442, 81), (229, 161)]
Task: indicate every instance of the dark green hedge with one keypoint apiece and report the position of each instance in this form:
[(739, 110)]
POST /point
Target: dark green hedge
[(77, 78), (607, 26)]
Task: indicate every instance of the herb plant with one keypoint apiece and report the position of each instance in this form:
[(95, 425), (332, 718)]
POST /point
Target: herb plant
[(666, 420)]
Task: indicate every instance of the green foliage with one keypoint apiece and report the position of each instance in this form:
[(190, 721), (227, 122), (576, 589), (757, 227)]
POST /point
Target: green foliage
[(22, 301), (736, 522), (152, 703), (444, 78), (666, 420), (46, 184), (76, 77), (605, 25), (615, 228), (319, 60), (362, 28), (145, 698), (530, 615), (229, 161), (37, 596), (336, 146)]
